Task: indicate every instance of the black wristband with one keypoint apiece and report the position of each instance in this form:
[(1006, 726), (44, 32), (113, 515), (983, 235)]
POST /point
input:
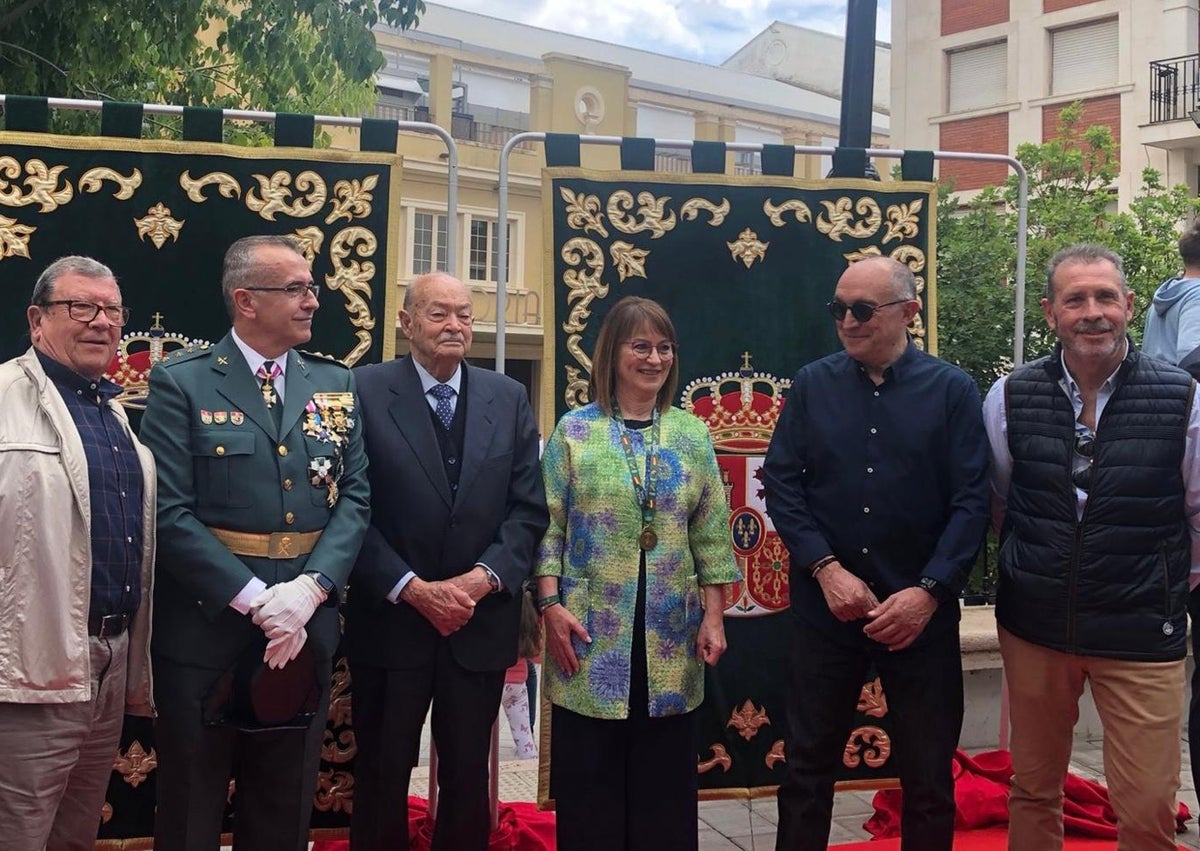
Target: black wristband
[(546, 602), (819, 565)]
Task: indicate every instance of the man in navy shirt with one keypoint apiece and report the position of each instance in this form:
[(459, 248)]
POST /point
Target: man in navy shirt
[(77, 521), (876, 479)]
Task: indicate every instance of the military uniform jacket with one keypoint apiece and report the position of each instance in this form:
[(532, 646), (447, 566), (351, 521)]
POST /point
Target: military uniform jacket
[(223, 463)]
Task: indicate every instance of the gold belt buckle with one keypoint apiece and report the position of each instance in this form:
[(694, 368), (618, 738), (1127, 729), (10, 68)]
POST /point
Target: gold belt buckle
[(281, 545)]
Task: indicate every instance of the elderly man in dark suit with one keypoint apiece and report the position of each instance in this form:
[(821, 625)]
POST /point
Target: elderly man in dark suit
[(262, 505), (457, 508)]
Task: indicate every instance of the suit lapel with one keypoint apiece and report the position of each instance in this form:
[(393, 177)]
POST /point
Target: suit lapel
[(479, 432), (410, 411), (239, 386), (298, 389)]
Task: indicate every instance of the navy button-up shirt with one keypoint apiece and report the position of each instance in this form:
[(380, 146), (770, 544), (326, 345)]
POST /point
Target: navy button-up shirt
[(892, 479), (114, 485)]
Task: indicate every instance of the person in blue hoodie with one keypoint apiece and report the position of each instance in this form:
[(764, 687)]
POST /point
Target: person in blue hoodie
[(1173, 321), (1173, 335)]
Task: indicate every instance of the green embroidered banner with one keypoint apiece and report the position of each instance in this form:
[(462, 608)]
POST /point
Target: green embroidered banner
[(161, 215), (745, 267)]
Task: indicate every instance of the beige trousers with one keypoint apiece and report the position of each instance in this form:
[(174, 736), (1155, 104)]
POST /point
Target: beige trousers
[(1140, 706), (59, 757)]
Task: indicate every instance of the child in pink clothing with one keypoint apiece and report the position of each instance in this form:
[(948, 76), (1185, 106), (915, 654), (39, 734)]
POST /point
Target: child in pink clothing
[(515, 699)]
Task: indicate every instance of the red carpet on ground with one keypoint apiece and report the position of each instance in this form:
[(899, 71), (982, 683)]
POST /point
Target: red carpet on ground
[(990, 839), (981, 786), (522, 828)]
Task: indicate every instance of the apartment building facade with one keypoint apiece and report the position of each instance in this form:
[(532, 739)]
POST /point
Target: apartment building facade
[(987, 75)]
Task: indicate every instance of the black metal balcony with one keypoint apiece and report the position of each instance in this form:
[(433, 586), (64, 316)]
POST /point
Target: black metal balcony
[(1174, 88), (463, 127)]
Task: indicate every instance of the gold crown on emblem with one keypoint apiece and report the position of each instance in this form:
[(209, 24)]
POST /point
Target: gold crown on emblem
[(137, 354), (740, 408)]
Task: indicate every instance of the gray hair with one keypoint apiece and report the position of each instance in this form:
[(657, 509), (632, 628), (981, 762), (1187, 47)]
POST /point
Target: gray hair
[(74, 264), (239, 267), (903, 280), (1086, 253)]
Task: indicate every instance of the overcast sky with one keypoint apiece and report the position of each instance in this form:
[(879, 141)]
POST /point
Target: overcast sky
[(705, 30)]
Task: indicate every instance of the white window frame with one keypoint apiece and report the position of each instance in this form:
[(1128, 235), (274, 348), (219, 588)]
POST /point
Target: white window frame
[(467, 215), (977, 76), (438, 257), (1084, 57)]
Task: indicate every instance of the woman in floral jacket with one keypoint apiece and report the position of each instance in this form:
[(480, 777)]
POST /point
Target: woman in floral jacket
[(630, 578)]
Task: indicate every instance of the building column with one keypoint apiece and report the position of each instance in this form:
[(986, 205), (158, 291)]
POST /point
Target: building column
[(441, 85)]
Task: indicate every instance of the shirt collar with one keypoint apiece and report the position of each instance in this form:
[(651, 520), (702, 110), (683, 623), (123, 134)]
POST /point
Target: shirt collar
[(428, 381), (65, 378), (1069, 380), (254, 359), (893, 372)]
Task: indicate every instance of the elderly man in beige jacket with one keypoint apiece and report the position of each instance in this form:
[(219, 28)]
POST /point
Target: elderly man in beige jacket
[(77, 495)]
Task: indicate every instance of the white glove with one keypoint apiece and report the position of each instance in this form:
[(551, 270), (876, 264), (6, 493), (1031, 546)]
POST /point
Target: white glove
[(284, 649), (285, 608)]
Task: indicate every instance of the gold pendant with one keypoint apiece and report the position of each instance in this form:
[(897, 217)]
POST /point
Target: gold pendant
[(648, 540)]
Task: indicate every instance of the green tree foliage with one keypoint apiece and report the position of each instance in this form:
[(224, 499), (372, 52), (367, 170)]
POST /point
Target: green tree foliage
[(1071, 199), (310, 56)]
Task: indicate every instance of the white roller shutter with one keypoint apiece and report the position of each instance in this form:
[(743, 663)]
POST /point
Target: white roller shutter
[(978, 77), (1084, 57)]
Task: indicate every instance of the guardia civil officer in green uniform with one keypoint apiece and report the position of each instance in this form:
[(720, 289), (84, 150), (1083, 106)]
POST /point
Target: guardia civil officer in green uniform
[(262, 504)]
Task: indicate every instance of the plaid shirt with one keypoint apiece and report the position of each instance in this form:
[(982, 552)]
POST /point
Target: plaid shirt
[(115, 485)]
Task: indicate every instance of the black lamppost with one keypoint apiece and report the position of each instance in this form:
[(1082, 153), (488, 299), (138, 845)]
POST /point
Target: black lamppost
[(858, 75)]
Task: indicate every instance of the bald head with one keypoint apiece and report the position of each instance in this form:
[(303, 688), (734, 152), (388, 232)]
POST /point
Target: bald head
[(903, 283), (436, 318)]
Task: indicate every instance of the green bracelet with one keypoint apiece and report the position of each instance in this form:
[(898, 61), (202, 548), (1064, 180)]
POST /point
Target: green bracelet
[(546, 602)]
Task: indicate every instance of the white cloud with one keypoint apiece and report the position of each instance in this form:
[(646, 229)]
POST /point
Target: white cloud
[(705, 30)]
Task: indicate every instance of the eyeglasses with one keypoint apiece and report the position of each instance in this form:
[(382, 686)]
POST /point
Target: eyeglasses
[(643, 348), (1085, 447), (85, 311), (862, 311), (292, 290)]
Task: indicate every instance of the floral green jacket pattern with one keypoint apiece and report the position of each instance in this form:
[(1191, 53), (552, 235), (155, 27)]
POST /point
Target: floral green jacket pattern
[(595, 518)]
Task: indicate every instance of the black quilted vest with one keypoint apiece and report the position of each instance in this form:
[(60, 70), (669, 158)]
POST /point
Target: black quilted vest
[(1114, 584)]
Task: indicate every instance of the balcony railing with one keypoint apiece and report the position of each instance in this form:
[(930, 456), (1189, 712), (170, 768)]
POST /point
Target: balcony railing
[(462, 126), (1174, 88)]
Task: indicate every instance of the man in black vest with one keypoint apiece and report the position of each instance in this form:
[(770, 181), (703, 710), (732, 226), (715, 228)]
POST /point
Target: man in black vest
[(436, 592), (1096, 496)]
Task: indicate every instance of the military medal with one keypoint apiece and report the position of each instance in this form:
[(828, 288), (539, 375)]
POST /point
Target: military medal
[(648, 540), (268, 372), (647, 492)]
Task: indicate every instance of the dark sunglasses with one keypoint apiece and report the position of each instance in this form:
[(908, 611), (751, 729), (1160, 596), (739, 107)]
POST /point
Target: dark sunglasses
[(862, 311), (1085, 447)]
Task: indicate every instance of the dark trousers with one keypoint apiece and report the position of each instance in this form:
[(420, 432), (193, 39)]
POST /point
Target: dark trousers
[(924, 692), (275, 771), (1194, 705), (389, 711), (623, 785), (531, 683)]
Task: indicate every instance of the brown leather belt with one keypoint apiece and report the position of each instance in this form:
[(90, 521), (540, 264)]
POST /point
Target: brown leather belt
[(267, 544)]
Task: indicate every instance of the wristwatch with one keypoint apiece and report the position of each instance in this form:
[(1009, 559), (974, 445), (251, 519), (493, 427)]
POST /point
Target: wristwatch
[(493, 581), (939, 591), (324, 581)]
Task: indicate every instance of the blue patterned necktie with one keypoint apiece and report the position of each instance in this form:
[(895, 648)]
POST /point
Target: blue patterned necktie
[(443, 393)]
